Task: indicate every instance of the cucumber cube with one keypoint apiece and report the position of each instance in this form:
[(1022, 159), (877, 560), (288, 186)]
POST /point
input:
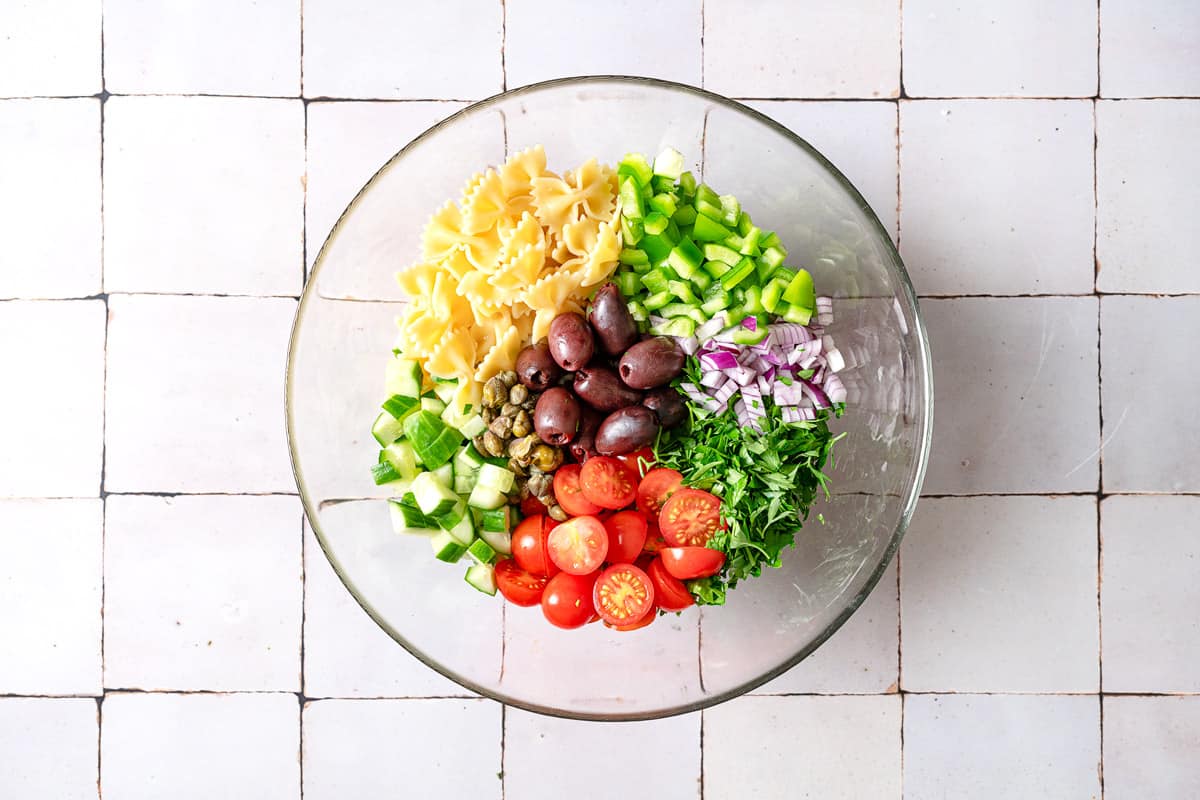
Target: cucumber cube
[(669, 163), (445, 389), (433, 405), (403, 458), (432, 496), (481, 551), (383, 472), (387, 429), (498, 520), (496, 478), (403, 377), (410, 521), (446, 548), (486, 497), (463, 530), (483, 578)]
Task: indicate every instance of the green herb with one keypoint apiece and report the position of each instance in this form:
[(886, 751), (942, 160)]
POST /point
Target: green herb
[(767, 483)]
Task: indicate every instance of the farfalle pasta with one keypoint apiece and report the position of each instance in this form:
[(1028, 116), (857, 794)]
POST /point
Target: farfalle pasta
[(521, 246)]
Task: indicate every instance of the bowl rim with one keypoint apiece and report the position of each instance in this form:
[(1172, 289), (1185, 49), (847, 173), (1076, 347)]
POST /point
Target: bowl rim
[(924, 420)]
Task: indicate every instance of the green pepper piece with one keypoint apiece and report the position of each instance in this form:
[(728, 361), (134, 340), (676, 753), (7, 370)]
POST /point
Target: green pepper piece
[(709, 230), (664, 204), (632, 256), (629, 283), (735, 275), (684, 215), (655, 222), (631, 199), (631, 230), (635, 164), (800, 292), (685, 258)]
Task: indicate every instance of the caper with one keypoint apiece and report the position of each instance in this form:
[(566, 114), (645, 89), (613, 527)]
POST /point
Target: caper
[(488, 415), (518, 394), (495, 392), (509, 410), (556, 513), (547, 458), (516, 467), (538, 484), (509, 377), (521, 448), (501, 426), (480, 446), (531, 403), (522, 423), (493, 445)]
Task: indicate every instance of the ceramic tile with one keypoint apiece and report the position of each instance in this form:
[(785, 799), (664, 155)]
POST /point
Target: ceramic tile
[(345, 653), (547, 39), (52, 429), (1147, 204), (347, 143), (50, 48), (195, 394), (1024, 48), (203, 195), (1017, 395), (202, 593), (998, 594), (861, 139), (547, 758), (48, 748), (997, 197), (1150, 746), (201, 746), (1147, 449), (350, 749), (1150, 594), (798, 49), (50, 569), (1149, 49), (1001, 747), (221, 47), (50, 203), (447, 50), (826, 747)]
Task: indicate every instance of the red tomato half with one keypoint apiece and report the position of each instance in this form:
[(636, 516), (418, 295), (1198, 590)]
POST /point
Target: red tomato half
[(567, 602), (669, 591), (569, 494), (654, 537), (578, 546), (651, 615), (637, 459), (607, 482), (518, 586), (626, 536), (531, 506), (623, 595), (687, 563), (690, 518), (529, 545), (654, 490)]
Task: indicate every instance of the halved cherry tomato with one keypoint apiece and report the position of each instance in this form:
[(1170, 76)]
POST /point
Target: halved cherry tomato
[(669, 591), (650, 616), (686, 563), (578, 546), (531, 506), (626, 535), (636, 459), (569, 493), (654, 537), (690, 518), (567, 601), (623, 594), (607, 482), (529, 546), (654, 490), (518, 586)]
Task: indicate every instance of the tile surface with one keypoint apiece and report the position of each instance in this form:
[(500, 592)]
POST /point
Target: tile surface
[(1024, 48), (998, 594), (50, 203), (378, 748), (203, 195), (48, 748), (195, 747), (997, 197), (202, 593), (50, 48), (54, 353), (827, 747), (1149, 49), (169, 360), (799, 48), (201, 46), (1147, 204), (1151, 626), (51, 619), (1001, 747), (1150, 746)]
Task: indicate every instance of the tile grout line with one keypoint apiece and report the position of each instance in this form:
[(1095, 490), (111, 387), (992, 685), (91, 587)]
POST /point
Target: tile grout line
[(900, 31), (99, 747), (900, 666), (703, 25), (103, 431), (503, 738), (503, 54), (702, 790)]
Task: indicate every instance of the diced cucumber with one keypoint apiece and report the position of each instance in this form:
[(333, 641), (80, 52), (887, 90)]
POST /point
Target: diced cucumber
[(445, 389), (463, 484), (497, 520), (433, 405), (500, 542), (434, 442), (669, 163), (433, 497), (444, 474), (473, 426), (403, 377), (409, 520), (496, 478), (483, 578), (446, 547), (481, 551), (400, 406), (455, 417), (463, 530), (383, 472), (387, 429), (467, 461), (486, 497), (403, 458)]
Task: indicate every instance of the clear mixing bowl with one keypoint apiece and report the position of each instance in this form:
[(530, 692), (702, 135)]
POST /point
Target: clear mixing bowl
[(345, 328)]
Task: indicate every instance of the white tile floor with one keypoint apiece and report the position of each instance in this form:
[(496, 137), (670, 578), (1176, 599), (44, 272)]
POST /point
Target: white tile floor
[(168, 628)]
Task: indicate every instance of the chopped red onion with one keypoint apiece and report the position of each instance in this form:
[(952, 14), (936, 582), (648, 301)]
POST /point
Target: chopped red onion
[(713, 379), (711, 328), (718, 360), (743, 375), (689, 345), (835, 389), (834, 360), (819, 398), (750, 323)]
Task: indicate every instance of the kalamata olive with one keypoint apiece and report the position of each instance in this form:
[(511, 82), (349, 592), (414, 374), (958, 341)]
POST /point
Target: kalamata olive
[(651, 363), (536, 368), (556, 418), (600, 388), (624, 431), (612, 321), (667, 405), (584, 446), (571, 341)]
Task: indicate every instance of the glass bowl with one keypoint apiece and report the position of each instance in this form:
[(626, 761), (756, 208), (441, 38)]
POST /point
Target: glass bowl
[(345, 328)]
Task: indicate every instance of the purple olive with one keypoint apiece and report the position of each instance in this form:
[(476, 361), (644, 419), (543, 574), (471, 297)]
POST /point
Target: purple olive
[(571, 341), (624, 431), (610, 317), (556, 416), (651, 363), (667, 405), (536, 368), (584, 445), (600, 388)]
